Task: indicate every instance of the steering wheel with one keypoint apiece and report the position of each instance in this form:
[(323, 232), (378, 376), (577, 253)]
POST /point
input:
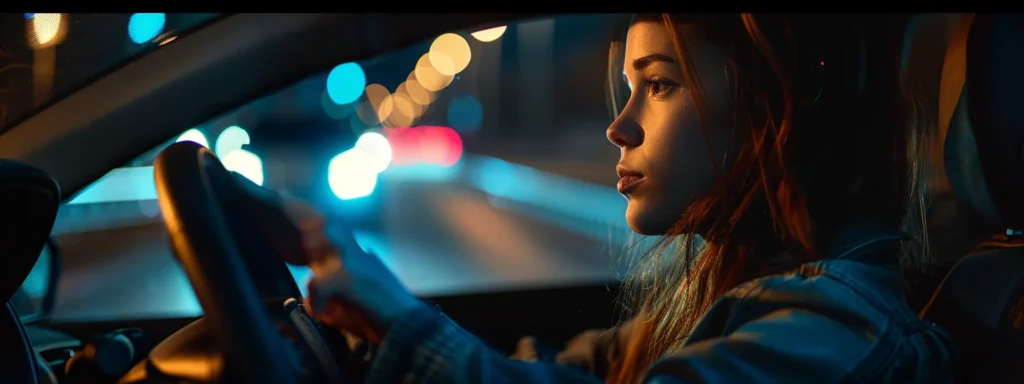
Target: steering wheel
[(231, 237)]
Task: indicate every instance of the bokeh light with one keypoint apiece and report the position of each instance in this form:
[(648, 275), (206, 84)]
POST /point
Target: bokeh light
[(377, 148), (349, 177), (345, 83), (194, 135), (441, 146), (449, 54), (429, 77), (416, 92), (417, 107), (403, 111), (490, 34), (230, 139), (405, 145), (245, 163), (465, 113), (372, 110), (46, 29), (143, 27), (426, 144)]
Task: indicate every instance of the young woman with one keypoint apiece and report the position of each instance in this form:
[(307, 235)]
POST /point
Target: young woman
[(788, 151)]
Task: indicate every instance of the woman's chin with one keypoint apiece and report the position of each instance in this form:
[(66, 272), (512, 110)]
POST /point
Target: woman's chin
[(647, 223)]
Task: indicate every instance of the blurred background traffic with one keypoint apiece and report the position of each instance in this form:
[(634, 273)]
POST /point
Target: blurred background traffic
[(472, 162)]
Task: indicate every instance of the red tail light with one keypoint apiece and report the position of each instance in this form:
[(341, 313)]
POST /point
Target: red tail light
[(424, 145)]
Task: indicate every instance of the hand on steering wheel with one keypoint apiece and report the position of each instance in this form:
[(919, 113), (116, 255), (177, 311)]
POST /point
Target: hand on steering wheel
[(351, 289)]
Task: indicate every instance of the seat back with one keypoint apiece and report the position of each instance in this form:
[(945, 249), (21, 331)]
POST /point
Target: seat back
[(28, 207), (981, 301)]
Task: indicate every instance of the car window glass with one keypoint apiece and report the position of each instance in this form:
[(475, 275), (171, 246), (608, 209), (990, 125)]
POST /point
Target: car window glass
[(474, 161), (43, 56)]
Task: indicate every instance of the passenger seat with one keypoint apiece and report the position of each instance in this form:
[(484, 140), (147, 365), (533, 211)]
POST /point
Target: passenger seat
[(981, 301)]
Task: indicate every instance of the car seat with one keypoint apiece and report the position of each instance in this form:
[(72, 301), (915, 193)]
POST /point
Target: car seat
[(981, 301), (28, 207)]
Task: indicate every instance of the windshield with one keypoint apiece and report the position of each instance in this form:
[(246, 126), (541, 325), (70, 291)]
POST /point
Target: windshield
[(43, 56), (472, 162)]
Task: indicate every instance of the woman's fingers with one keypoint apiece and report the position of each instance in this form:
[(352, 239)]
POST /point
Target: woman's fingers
[(351, 289), (580, 350), (328, 277), (332, 310), (339, 315), (525, 350)]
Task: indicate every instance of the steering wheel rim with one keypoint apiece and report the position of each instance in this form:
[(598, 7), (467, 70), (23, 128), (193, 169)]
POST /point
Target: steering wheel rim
[(204, 243)]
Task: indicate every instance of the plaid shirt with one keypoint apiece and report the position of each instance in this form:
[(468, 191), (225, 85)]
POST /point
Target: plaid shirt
[(839, 320)]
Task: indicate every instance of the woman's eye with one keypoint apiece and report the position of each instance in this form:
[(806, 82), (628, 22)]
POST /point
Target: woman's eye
[(659, 87)]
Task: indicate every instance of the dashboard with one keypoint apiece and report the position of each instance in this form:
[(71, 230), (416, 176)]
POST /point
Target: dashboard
[(53, 350), (131, 356)]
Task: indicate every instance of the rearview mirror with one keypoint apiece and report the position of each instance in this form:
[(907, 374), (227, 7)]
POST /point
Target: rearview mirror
[(35, 298)]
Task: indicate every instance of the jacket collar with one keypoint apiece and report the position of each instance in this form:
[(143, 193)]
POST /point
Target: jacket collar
[(867, 242)]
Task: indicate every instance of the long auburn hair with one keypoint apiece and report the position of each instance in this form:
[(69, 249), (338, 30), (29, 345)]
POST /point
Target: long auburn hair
[(808, 163)]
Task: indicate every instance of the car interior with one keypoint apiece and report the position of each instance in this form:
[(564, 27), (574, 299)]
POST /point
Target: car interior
[(29, 190), (979, 302), (223, 234)]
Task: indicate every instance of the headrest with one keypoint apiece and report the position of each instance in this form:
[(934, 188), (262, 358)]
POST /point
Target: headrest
[(985, 139), (995, 97), (28, 207)]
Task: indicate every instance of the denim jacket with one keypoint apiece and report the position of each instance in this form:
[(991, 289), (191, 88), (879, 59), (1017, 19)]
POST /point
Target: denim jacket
[(840, 320)]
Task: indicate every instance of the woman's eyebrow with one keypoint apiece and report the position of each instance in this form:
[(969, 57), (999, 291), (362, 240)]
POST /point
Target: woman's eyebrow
[(643, 62)]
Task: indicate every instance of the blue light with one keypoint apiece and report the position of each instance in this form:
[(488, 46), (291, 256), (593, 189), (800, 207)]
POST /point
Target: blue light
[(143, 27), (345, 83), (465, 114), (29, 16), (498, 177), (120, 184), (564, 195)]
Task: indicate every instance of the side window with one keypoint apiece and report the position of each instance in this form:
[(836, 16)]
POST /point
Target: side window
[(472, 161)]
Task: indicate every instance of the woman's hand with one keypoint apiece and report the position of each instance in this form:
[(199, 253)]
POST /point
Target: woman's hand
[(596, 350), (581, 351), (351, 289)]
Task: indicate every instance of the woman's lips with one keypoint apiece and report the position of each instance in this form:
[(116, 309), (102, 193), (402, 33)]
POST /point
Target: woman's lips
[(629, 183)]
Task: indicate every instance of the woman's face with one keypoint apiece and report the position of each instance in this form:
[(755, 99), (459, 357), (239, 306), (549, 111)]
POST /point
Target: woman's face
[(665, 160)]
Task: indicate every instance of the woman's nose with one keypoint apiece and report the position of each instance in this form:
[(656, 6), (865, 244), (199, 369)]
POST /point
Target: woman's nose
[(624, 132)]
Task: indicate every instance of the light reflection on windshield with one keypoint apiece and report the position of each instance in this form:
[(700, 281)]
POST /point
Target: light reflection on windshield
[(474, 161), (43, 56)]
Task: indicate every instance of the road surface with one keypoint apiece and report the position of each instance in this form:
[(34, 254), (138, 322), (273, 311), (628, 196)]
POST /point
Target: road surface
[(470, 234)]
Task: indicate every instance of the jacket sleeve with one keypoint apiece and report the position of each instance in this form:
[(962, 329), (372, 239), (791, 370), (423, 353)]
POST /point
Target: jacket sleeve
[(427, 347), (786, 346), (790, 338), (784, 330)]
